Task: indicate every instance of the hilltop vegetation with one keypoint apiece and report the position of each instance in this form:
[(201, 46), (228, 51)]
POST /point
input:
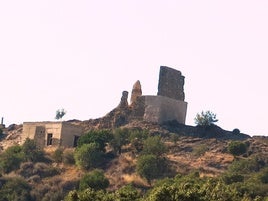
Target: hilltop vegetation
[(140, 161)]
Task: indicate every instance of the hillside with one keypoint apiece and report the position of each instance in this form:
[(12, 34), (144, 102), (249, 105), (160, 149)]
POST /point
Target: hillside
[(202, 149)]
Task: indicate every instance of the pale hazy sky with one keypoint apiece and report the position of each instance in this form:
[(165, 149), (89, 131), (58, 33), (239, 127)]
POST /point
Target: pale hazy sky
[(80, 56)]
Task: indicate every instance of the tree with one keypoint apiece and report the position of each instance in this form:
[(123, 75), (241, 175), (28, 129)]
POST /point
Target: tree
[(205, 118), (95, 180), (88, 156), (60, 113)]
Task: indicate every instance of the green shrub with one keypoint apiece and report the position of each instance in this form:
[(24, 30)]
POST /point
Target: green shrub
[(95, 180), (15, 189), (88, 195), (264, 176), (138, 134), (244, 166), (99, 137), (127, 193), (120, 138), (11, 159), (31, 151), (58, 155), (88, 156), (232, 178), (154, 145), (150, 167), (174, 137), (44, 170), (237, 148), (205, 118)]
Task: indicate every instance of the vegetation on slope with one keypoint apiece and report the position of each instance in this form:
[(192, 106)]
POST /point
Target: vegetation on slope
[(137, 164)]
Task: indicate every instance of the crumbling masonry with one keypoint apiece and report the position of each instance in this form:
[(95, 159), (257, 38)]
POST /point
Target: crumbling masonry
[(167, 105)]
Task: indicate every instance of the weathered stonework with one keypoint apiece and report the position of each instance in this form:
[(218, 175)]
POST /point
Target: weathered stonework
[(168, 105), (136, 91), (124, 103), (171, 83), (161, 109)]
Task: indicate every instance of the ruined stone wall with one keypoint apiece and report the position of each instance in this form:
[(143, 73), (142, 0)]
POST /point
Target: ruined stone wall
[(171, 83), (160, 109)]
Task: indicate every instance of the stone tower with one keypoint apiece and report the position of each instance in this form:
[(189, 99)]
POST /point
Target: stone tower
[(171, 83)]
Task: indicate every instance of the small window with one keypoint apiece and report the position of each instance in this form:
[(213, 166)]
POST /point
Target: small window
[(49, 139)]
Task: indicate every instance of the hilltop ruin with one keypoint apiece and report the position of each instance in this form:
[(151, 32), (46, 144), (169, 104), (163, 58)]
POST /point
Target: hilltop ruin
[(167, 105)]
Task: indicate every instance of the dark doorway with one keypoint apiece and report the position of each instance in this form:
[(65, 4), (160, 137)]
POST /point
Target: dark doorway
[(76, 140), (49, 139)]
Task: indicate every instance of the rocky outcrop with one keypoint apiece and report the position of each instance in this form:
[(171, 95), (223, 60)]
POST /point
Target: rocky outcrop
[(171, 83), (136, 92)]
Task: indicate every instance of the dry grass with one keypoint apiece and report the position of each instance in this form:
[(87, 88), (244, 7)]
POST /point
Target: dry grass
[(135, 179)]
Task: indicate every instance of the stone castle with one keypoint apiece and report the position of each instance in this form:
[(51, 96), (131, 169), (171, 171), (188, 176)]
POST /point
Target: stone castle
[(167, 105)]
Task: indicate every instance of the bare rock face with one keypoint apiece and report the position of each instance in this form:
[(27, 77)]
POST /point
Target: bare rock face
[(136, 92), (171, 83), (124, 103)]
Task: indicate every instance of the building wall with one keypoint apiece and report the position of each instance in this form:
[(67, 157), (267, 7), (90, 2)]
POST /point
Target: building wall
[(68, 134), (159, 109), (54, 128), (63, 133)]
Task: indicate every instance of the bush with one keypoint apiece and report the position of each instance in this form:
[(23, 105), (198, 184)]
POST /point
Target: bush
[(88, 156), (120, 138), (232, 178), (264, 176), (68, 157), (15, 189), (205, 118), (11, 159), (31, 151), (154, 145), (95, 180), (100, 138), (244, 166), (127, 193), (58, 155), (174, 138), (236, 131), (150, 167), (88, 195), (43, 170), (237, 148), (138, 134)]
